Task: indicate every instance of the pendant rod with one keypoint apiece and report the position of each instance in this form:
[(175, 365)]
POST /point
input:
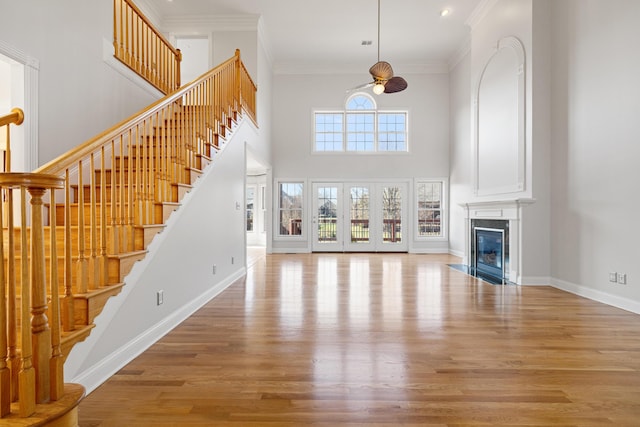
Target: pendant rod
[(378, 30)]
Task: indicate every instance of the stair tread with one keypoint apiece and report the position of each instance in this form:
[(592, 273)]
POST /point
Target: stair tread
[(101, 290)]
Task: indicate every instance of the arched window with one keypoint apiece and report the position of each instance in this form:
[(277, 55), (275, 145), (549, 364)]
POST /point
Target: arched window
[(360, 101), (360, 128)]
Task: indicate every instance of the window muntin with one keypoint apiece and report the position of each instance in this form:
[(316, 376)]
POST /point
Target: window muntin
[(360, 128), (359, 214), (290, 208), (360, 131), (360, 102), (430, 208), (392, 132), (392, 214), (329, 131)]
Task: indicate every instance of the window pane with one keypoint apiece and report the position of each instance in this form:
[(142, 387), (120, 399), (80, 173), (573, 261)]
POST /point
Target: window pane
[(328, 131), (250, 207), (359, 215), (290, 209), (392, 214), (360, 131), (429, 209), (392, 131), (360, 102), (327, 214)]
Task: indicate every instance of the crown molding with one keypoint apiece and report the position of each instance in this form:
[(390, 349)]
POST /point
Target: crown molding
[(459, 54), (249, 22), (479, 13)]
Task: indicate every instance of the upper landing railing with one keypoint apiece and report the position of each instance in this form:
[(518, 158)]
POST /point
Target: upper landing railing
[(142, 48)]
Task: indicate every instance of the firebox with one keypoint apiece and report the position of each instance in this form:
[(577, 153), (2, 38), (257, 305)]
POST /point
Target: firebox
[(489, 243)]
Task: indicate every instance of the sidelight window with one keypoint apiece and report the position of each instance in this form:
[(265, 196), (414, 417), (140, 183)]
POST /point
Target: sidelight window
[(290, 208), (429, 204)]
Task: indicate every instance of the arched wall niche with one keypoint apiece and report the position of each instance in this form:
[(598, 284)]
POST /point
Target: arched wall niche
[(499, 138)]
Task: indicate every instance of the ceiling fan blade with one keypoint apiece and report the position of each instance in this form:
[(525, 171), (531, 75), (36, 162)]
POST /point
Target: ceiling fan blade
[(395, 84), (381, 71), (362, 86)]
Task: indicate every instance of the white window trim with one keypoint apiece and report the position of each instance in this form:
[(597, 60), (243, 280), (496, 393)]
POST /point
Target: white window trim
[(344, 111), (276, 217), (254, 210), (444, 207)]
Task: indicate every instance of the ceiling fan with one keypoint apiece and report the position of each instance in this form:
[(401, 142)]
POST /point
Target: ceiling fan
[(383, 79)]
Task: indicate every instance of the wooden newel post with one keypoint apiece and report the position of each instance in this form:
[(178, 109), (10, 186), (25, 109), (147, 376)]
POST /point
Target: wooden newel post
[(40, 331), (34, 376)]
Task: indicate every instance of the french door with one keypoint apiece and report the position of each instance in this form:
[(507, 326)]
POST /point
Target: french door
[(359, 217)]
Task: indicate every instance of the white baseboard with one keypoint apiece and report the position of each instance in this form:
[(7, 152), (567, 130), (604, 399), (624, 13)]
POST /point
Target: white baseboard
[(108, 366), (596, 295), (290, 251), (459, 254), (536, 281), (428, 251)]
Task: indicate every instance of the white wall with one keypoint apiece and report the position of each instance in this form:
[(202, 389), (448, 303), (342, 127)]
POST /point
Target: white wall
[(583, 130), (460, 150), (180, 263), (536, 224), (595, 149), (195, 57), (79, 95), (507, 18), (297, 96)]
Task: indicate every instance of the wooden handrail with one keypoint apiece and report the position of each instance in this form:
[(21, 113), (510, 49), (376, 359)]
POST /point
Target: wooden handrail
[(15, 117), (113, 185), (142, 48)]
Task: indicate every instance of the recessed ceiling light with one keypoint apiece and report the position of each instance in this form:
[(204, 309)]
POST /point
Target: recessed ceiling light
[(444, 12)]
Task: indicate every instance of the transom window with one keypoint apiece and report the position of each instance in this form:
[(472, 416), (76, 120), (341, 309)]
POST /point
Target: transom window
[(360, 128)]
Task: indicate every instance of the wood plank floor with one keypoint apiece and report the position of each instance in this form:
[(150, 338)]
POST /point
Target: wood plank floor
[(381, 340)]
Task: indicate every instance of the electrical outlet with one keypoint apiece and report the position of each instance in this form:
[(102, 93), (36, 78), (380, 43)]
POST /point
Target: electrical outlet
[(233, 260), (622, 278), (160, 297), (215, 267), (613, 277)]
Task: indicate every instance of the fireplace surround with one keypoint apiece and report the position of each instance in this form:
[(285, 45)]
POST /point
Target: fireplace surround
[(490, 248), (501, 217)]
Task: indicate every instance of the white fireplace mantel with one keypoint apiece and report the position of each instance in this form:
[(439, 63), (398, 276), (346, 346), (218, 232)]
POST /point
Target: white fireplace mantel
[(509, 210)]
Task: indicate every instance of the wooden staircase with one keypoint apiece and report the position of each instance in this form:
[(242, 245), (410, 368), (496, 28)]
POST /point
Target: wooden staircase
[(74, 228)]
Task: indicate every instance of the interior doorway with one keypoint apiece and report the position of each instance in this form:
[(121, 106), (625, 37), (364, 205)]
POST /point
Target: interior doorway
[(195, 57), (12, 92)]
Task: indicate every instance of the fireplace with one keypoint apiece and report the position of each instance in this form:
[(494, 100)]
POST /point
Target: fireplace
[(489, 251), (495, 222)]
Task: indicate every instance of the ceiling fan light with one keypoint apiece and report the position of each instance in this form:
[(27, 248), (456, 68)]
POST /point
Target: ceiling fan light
[(378, 88)]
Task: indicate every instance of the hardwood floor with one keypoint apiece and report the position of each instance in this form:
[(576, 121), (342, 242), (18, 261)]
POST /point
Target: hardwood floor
[(381, 340)]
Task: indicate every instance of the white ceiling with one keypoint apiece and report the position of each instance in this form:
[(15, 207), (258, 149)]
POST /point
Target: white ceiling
[(328, 34)]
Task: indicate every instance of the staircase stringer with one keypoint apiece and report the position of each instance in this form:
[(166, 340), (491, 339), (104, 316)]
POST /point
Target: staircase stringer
[(88, 364)]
